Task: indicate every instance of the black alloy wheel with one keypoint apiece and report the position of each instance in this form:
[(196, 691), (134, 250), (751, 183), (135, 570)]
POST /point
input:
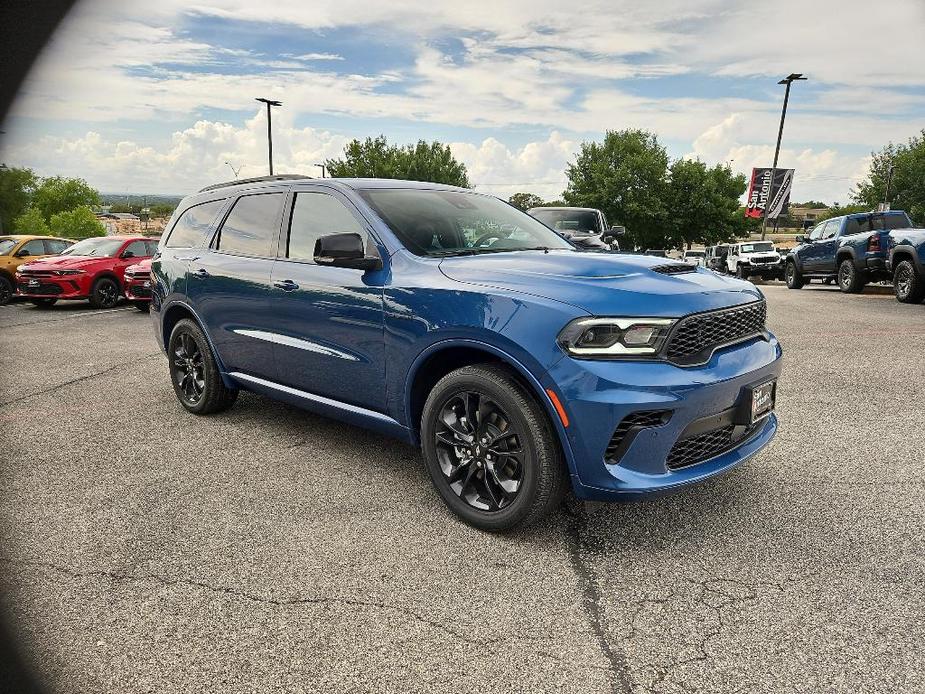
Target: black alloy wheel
[(793, 277), (188, 369), (850, 280), (908, 286), (193, 372), (480, 451), (491, 449), (6, 291), (105, 293)]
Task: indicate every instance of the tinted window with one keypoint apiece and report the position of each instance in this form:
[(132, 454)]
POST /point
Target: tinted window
[(816, 233), (831, 228), (138, 249), (569, 220), (250, 228), (889, 221), (315, 215), (36, 247), (53, 246), (192, 228)]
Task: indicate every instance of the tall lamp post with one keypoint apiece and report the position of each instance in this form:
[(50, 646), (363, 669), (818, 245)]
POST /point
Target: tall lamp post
[(788, 80), (270, 103)]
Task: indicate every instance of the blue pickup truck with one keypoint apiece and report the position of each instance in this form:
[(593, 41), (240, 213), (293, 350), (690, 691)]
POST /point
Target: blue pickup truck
[(854, 250), (906, 260)]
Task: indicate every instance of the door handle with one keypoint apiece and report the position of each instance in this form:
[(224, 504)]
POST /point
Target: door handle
[(286, 285), (201, 273)]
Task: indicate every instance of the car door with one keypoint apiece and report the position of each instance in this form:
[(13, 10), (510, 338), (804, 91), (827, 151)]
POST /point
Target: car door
[(825, 248), (29, 251), (810, 253), (134, 252), (327, 321), (228, 284), (732, 258)]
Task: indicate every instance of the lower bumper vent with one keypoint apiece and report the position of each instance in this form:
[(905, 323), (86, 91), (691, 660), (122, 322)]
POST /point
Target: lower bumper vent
[(627, 429)]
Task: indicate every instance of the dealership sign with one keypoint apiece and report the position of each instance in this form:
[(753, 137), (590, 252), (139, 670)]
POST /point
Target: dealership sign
[(760, 190)]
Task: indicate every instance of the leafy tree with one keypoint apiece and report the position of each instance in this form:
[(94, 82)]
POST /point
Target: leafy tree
[(626, 177), (79, 223), (58, 194), (907, 188), (811, 204), (376, 158), (838, 211), (525, 201), (31, 222), (703, 203), (16, 189)]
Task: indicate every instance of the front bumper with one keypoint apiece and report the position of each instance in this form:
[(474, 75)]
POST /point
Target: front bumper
[(138, 289), (52, 286), (599, 395)]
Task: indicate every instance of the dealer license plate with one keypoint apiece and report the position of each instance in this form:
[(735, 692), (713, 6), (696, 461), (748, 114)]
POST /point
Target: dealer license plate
[(763, 400)]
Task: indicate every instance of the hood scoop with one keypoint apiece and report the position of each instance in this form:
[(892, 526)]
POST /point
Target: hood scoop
[(674, 268)]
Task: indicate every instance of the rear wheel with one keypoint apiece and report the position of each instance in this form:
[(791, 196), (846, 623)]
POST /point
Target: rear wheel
[(194, 373), (105, 293), (6, 290), (850, 280), (908, 285), (793, 276), (43, 303), (490, 449)]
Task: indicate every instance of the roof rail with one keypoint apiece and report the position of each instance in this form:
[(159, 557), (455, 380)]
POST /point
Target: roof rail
[(258, 179)]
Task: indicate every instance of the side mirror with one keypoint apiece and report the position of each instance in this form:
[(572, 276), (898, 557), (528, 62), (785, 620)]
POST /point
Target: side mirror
[(127, 254), (618, 231), (801, 239), (345, 250), (22, 253)]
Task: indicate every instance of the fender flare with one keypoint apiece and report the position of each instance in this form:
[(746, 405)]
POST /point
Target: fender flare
[(906, 249), (849, 251), (532, 380)]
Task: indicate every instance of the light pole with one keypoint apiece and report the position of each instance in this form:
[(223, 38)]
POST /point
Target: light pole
[(889, 184), (788, 80), (270, 103)]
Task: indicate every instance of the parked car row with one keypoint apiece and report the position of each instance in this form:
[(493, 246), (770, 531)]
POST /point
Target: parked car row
[(100, 270)]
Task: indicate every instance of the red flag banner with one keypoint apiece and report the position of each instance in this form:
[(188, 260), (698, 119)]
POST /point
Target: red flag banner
[(760, 191)]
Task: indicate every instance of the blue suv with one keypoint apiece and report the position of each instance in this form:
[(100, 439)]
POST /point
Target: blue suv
[(518, 362)]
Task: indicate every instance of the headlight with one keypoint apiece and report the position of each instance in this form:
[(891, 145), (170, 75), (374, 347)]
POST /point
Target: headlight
[(613, 338), (70, 272)]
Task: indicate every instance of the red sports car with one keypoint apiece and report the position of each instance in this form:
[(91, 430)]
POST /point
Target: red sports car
[(91, 269), (138, 285)]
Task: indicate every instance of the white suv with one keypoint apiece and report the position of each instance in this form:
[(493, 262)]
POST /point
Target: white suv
[(752, 258)]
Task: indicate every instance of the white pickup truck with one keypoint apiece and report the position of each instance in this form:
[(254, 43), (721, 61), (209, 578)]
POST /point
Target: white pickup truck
[(753, 258)]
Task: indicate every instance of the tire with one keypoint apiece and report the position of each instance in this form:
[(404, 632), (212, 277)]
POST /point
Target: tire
[(105, 293), (740, 272), (850, 281), (143, 306), (6, 290), (505, 418), (792, 276), (194, 373), (908, 285), (43, 303)]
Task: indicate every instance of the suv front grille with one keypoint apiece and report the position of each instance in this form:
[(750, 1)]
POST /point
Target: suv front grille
[(695, 338), (41, 289), (701, 447), (629, 427)]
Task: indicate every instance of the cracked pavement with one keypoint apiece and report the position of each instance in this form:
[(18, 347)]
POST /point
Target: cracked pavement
[(271, 550)]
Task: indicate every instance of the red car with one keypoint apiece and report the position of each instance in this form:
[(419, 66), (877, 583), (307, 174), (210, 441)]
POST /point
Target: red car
[(138, 284), (91, 269)]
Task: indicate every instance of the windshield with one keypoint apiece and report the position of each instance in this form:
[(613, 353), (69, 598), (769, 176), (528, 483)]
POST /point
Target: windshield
[(100, 247), (6, 245), (587, 221), (759, 247), (438, 222)]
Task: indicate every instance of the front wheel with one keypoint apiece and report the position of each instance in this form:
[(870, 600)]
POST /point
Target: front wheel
[(740, 272), (850, 281), (6, 290), (194, 373), (490, 449), (793, 276), (105, 293), (908, 285)]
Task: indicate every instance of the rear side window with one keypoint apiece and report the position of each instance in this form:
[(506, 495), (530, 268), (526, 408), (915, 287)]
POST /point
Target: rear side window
[(315, 215), (192, 228), (53, 246), (250, 227)]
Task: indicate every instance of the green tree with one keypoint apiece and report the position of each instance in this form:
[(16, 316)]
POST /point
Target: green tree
[(376, 158), (907, 188), (79, 223), (846, 209), (58, 194), (703, 203), (525, 201), (31, 222), (626, 177), (16, 189)]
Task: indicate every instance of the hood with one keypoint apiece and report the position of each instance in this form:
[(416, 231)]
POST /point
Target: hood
[(64, 262), (602, 283)]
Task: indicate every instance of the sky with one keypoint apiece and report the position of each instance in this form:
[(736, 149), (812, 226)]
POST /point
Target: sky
[(156, 97)]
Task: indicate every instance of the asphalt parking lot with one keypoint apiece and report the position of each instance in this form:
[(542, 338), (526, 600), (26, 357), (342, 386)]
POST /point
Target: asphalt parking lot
[(271, 550)]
